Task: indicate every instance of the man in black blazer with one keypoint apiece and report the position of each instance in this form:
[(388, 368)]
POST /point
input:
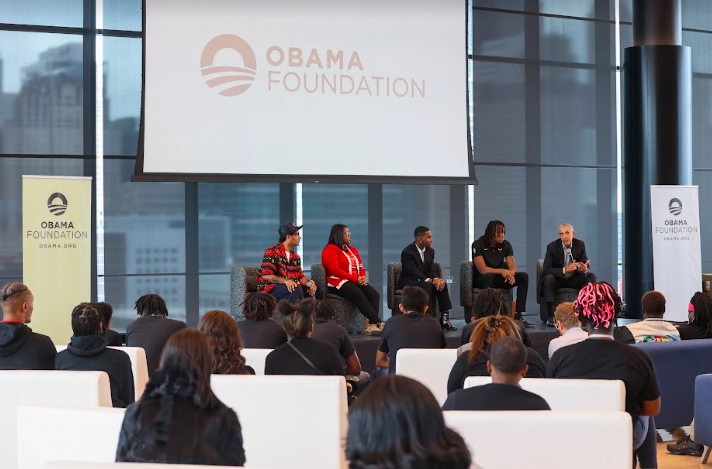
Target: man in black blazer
[(565, 266), (419, 271)]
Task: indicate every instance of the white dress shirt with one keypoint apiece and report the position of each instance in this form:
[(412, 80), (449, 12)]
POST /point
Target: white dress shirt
[(572, 336)]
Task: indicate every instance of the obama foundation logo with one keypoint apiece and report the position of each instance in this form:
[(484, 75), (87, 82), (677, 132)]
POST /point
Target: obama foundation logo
[(57, 204), (675, 206)]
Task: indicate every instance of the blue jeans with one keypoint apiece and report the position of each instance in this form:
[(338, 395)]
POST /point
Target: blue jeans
[(644, 442)]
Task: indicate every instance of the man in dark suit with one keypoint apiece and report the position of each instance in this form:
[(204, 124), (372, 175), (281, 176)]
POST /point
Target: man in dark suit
[(565, 266), (419, 271)]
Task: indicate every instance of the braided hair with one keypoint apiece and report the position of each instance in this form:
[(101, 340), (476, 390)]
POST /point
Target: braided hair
[(492, 228), (258, 306), (488, 331), (598, 303), (86, 320), (151, 304), (703, 310)]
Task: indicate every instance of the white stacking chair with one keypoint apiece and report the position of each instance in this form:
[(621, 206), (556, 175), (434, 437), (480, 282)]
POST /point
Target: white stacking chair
[(126, 465), (139, 366), (67, 433), (546, 439), (296, 422), (570, 394), (255, 357), (429, 366), (70, 388)]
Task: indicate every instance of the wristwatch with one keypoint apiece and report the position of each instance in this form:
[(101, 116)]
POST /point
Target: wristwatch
[(309, 284)]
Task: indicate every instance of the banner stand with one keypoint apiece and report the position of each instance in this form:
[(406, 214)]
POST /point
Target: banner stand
[(56, 250), (677, 259)]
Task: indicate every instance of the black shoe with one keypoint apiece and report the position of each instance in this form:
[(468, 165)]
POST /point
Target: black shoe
[(550, 321), (447, 327), (686, 446), (528, 325)]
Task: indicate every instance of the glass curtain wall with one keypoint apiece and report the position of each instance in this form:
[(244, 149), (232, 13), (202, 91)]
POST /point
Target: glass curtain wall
[(545, 135)]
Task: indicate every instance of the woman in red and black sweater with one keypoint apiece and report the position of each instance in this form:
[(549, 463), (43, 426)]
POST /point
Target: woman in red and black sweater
[(347, 277)]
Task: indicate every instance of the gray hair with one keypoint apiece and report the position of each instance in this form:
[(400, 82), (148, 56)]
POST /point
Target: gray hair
[(567, 224)]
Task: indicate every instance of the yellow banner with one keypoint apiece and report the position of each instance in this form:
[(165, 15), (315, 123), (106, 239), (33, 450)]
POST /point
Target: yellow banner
[(56, 250)]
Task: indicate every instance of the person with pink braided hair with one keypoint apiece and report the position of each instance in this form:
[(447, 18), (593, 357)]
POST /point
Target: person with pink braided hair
[(600, 356)]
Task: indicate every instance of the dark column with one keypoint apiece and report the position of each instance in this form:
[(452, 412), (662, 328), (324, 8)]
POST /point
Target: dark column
[(192, 255), (459, 244), (376, 267), (657, 83), (89, 125), (533, 172), (287, 210)]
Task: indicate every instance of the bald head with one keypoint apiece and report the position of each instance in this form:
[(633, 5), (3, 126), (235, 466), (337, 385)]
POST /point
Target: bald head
[(16, 301)]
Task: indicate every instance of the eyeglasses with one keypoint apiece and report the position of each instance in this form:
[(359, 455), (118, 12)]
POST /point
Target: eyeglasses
[(347, 233)]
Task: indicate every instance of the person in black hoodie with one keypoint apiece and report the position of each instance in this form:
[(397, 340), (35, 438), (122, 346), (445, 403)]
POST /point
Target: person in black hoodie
[(106, 311), (88, 351), (152, 329), (179, 420), (20, 348)]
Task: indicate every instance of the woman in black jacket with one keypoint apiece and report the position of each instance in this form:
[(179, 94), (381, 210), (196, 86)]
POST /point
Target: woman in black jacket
[(88, 351), (473, 360), (302, 355), (179, 420)]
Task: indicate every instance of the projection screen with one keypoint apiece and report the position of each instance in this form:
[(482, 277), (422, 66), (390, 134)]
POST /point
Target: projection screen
[(305, 91)]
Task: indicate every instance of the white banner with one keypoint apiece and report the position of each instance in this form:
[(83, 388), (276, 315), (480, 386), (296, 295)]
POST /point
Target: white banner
[(56, 250), (315, 87), (677, 261)]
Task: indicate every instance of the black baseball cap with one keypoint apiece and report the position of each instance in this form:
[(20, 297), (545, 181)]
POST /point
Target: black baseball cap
[(288, 229)]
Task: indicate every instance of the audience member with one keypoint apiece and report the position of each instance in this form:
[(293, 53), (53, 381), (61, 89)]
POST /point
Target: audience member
[(106, 312), (699, 313), (491, 302), (87, 351), (601, 357), (569, 326), (652, 328), (397, 423), (179, 420), (225, 343), (473, 357), (507, 365), (258, 330), (326, 330), (412, 329), (20, 348), (152, 329), (302, 355), (346, 277)]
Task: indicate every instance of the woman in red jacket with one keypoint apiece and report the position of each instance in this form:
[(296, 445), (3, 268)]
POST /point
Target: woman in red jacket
[(347, 277)]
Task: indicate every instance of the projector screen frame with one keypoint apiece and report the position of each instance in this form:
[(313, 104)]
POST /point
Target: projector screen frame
[(140, 176)]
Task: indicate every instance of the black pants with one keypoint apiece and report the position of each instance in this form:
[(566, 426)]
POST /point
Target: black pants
[(365, 297), (521, 281), (551, 283), (280, 292), (443, 297)]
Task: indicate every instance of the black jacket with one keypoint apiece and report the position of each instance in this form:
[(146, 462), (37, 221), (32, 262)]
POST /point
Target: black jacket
[(89, 353), (22, 349), (554, 259), (415, 271), (165, 428), (113, 337), (151, 333)]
